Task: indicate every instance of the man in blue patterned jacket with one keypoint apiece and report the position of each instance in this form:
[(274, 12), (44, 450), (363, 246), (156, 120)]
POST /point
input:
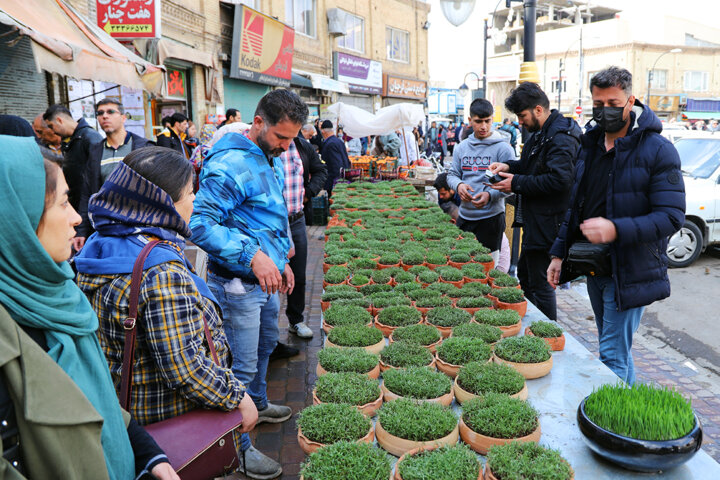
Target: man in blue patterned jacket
[(241, 221)]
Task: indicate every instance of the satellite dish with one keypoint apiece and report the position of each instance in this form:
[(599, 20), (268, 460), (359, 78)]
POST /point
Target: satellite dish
[(457, 11)]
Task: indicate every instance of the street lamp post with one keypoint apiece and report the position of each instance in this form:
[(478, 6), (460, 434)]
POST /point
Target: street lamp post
[(464, 89), (650, 73)]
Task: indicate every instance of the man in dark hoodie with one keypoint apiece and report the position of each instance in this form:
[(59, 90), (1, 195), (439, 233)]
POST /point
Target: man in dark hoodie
[(541, 180), (77, 139), (482, 210), (628, 194)]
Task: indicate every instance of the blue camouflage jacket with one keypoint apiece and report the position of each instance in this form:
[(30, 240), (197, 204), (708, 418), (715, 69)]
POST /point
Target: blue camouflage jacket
[(239, 208)]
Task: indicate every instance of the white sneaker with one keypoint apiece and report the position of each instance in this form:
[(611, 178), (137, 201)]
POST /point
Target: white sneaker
[(301, 330)]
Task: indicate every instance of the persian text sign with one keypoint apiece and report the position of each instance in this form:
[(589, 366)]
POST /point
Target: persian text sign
[(404, 87), (129, 18), (262, 48), (361, 74)]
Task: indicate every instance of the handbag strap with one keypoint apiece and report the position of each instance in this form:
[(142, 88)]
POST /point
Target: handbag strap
[(130, 323)]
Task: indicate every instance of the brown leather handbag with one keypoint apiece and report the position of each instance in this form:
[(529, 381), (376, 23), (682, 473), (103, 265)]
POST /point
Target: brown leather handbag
[(199, 444)]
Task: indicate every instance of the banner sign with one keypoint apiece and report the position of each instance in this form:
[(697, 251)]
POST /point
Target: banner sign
[(361, 74), (404, 87), (176, 83), (129, 18), (262, 48)]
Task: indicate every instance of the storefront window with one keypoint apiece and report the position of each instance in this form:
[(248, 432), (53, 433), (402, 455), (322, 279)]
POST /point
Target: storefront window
[(354, 38), (397, 43), (300, 14)]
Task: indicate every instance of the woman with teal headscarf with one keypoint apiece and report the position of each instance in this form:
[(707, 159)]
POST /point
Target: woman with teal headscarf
[(56, 393)]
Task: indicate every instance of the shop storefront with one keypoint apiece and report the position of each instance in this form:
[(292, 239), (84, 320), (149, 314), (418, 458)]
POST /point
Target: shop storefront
[(398, 90), (363, 76), (261, 59)]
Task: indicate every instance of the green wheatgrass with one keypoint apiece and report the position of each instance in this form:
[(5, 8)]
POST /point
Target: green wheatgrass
[(354, 336), (333, 422), (417, 382), (354, 359), (422, 334), (546, 329), (456, 462), (482, 378), (347, 460), (353, 388), (488, 333), (525, 349), (406, 354), (417, 421), (462, 350), (500, 416), (520, 461)]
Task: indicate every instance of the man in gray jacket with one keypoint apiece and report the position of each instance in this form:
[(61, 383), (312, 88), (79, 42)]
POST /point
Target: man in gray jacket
[(482, 210)]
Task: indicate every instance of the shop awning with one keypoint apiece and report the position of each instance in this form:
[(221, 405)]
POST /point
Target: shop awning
[(297, 80), (701, 115), (170, 49), (66, 43), (322, 82)]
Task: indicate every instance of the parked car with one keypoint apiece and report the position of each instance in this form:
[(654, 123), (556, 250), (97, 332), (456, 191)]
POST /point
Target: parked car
[(700, 158)]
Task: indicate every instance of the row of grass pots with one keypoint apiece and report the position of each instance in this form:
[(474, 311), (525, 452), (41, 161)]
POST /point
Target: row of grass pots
[(455, 352), (423, 334), (550, 332), (643, 427), (363, 461), (405, 354), (354, 389), (417, 383), (477, 379), (369, 338), (530, 356), (352, 360), (328, 423)]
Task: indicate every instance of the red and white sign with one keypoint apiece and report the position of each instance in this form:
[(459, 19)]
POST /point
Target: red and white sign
[(129, 18), (578, 110)]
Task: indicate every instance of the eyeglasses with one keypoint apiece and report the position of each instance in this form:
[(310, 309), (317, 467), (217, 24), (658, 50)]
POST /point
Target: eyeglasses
[(100, 113)]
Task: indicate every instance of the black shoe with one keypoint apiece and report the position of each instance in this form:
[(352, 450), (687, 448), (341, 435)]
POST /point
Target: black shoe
[(283, 351)]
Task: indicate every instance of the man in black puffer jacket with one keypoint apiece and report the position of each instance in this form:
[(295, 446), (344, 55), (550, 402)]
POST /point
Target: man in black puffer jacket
[(542, 180), (628, 194)]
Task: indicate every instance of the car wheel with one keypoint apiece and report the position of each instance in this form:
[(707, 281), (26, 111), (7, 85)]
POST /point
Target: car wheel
[(685, 245)]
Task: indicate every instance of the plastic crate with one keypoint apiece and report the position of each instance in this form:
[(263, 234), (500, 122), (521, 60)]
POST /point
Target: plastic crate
[(320, 210)]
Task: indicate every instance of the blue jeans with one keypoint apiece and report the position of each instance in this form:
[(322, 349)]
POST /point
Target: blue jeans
[(250, 320), (615, 329)]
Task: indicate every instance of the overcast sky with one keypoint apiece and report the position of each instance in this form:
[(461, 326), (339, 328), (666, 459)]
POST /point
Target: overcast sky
[(455, 51)]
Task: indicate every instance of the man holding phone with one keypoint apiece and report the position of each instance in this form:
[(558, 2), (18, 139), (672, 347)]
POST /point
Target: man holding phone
[(482, 209)]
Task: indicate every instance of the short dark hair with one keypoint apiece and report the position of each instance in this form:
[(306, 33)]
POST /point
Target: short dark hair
[(109, 101), (613, 77), (441, 182), (481, 108), (55, 110), (176, 118), (165, 120), (526, 96), (52, 170), (282, 104), (154, 163), (231, 112)]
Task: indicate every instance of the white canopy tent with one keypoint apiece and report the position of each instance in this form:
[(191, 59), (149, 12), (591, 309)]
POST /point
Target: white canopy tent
[(357, 122)]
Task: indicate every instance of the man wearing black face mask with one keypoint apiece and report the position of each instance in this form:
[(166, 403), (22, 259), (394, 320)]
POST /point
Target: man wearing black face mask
[(627, 199), (542, 180)]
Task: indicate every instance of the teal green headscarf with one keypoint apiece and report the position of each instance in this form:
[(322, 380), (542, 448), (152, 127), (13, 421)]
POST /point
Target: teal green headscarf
[(39, 293)]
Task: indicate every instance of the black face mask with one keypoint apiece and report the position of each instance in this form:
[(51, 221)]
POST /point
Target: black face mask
[(610, 118)]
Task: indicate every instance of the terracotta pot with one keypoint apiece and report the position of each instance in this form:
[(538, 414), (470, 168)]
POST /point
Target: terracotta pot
[(557, 344), (415, 451), (430, 347), (471, 310), (327, 327), (374, 373), (326, 284), (488, 475), (308, 446), (471, 280), (482, 443), (376, 348), (487, 266), (423, 310), (358, 287), (383, 267), (386, 329), (512, 330), (397, 446), (457, 264), (447, 368), (407, 267), (529, 370), (326, 266), (384, 366), (462, 395), (446, 399), (444, 331), (521, 307), (433, 266), (324, 305), (368, 409), (458, 284), (492, 285)]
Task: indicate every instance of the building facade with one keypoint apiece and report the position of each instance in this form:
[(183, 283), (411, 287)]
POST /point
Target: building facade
[(576, 41), (368, 54)]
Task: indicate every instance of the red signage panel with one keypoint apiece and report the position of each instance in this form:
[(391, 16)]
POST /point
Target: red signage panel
[(129, 18)]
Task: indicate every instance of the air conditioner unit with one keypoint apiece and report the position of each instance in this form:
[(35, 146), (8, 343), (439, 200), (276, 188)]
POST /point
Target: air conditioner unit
[(336, 22)]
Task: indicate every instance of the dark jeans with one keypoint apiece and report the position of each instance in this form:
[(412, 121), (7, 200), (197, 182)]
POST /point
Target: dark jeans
[(532, 272), (298, 264), (488, 231)]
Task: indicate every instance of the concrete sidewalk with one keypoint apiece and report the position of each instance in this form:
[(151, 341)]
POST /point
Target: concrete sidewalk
[(290, 382)]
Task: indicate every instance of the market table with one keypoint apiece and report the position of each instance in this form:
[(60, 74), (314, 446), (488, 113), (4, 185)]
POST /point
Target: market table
[(556, 397)]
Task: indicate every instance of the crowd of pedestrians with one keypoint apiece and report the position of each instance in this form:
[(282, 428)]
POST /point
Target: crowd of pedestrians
[(240, 192)]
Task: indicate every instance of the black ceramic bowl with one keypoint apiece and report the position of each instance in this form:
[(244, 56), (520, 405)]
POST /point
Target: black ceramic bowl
[(639, 455)]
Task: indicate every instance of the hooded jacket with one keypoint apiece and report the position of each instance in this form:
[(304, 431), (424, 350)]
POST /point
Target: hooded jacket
[(240, 208), (646, 202), (543, 179), (76, 154), (471, 159)]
